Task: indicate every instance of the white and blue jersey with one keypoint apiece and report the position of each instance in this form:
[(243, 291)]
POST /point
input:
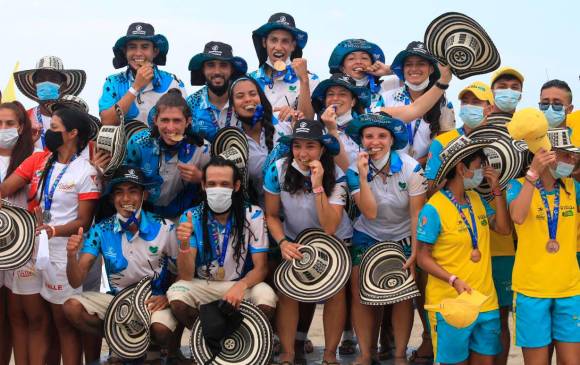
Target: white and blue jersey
[(129, 257), (117, 85), (207, 119), (169, 194), (255, 241)]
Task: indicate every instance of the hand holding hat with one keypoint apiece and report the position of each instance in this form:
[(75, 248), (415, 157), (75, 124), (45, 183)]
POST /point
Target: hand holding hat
[(462, 311), (531, 126)]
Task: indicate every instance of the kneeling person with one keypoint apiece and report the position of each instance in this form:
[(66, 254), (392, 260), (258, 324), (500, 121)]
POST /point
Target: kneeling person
[(224, 243), (134, 244)]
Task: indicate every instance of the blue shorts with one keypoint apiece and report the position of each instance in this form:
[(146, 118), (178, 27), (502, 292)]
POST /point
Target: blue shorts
[(362, 241), (539, 321), (501, 269), (452, 345)]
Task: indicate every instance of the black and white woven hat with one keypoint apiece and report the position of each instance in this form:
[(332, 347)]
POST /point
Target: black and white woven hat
[(460, 42), (382, 278), (321, 273), (231, 143), (251, 343), (560, 140), (127, 321), (112, 139), (16, 236), (133, 126), (75, 102)]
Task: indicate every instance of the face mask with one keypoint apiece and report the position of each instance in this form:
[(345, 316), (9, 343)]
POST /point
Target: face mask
[(134, 218), (418, 87), (297, 167), (219, 199), (554, 118), (47, 90), (562, 170), (343, 119), (507, 99), (362, 82), (471, 115), (8, 137), (379, 164), (53, 140), (473, 182)]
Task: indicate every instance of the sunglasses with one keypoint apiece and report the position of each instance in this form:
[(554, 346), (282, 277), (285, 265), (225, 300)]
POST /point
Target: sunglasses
[(555, 107)]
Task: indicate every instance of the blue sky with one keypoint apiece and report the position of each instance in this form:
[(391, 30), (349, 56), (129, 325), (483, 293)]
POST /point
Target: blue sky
[(537, 37)]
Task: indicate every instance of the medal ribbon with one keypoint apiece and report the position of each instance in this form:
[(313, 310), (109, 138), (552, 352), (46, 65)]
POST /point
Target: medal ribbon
[(48, 195), (552, 217), (410, 131), (214, 119), (39, 120), (373, 86), (221, 254), (471, 229)]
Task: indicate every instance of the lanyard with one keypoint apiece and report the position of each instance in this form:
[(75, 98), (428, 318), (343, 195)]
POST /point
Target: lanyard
[(551, 216), (48, 195), (473, 228), (373, 86), (39, 120), (412, 132), (215, 238), (214, 119), (290, 76)]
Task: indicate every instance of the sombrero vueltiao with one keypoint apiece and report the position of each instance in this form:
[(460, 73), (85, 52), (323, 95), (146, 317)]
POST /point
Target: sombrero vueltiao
[(362, 94), (16, 236), (133, 126), (560, 140), (251, 343), (281, 21), (382, 278), (460, 42), (127, 321), (140, 31), (348, 46), (112, 139), (75, 102), (321, 273), (74, 80), (216, 51), (231, 144)]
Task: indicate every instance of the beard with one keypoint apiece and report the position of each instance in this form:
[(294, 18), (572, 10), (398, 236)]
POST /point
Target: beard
[(218, 90)]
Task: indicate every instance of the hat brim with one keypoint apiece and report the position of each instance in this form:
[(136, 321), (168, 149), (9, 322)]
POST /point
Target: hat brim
[(362, 94), (399, 62), (159, 40), (18, 226), (462, 61), (382, 278), (328, 141), (129, 306), (251, 343), (330, 282), (112, 139), (339, 53), (240, 67), (73, 85), (95, 123), (456, 156), (395, 126), (300, 36)]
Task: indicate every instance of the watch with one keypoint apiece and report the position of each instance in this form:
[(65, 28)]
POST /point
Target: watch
[(441, 85)]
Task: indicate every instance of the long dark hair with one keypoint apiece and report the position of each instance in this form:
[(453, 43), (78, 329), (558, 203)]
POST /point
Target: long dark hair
[(71, 119), (294, 181), (24, 145), (266, 118), (237, 212), (434, 114), (173, 99)]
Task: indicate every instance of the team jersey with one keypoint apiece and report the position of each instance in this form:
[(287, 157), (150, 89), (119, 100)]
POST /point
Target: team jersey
[(438, 144)]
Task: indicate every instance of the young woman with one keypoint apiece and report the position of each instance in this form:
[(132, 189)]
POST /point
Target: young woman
[(15, 146), (453, 232), (389, 189), (170, 156), (309, 191), (546, 279), (64, 191)]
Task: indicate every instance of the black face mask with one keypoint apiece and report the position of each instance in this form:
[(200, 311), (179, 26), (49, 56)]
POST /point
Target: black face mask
[(53, 140)]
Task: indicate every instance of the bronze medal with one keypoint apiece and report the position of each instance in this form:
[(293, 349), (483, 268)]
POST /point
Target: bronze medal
[(279, 66), (552, 246), (476, 255), (177, 137), (220, 274)]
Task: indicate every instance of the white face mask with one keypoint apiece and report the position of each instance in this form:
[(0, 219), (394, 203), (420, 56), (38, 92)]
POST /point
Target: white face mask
[(343, 119), (379, 164), (420, 87), (362, 82), (137, 212), (8, 137), (219, 199), (297, 167)]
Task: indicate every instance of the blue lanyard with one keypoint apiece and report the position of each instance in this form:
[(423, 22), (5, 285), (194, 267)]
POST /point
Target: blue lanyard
[(39, 119), (412, 132), (221, 255), (48, 195), (214, 119), (290, 76), (373, 86), (552, 217), (473, 228)]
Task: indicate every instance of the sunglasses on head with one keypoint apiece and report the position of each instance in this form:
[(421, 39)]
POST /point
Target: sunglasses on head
[(555, 107)]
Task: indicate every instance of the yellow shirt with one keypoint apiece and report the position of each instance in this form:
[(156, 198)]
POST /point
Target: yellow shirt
[(501, 245), (573, 122), (452, 251), (538, 273)]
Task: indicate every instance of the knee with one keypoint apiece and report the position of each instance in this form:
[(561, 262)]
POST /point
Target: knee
[(183, 312), (160, 334), (267, 310), (73, 310)]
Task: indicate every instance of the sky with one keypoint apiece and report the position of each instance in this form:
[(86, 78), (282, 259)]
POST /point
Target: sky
[(538, 38)]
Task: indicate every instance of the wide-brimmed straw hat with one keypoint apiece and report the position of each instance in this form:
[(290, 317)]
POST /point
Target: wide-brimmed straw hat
[(17, 235), (75, 102)]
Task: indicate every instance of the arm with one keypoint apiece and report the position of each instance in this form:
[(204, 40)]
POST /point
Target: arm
[(364, 198), (187, 253), (500, 222), (329, 215), (416, 203), (428, 263), (12, 184), (235, 294), (77, 269), (84, 218), (329, 120), (304, 102)]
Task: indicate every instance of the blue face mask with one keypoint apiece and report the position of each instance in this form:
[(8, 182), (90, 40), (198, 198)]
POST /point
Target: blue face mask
[(471, 115), (473, 182), (47, 90), (562, 170), (507, 99), (554, 118)]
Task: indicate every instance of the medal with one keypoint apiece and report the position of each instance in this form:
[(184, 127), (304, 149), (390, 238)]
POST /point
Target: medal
[(220, 251), (176, 137), (552, 246), (220, 274), (279, 66), (46, 216), (476, 255), (472, 229)]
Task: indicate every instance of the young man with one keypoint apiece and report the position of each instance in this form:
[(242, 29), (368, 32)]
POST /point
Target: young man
[(137, 89), (223, 248), (283, 73), (213, 68), (506, 84), (556, 103), (134, 244)]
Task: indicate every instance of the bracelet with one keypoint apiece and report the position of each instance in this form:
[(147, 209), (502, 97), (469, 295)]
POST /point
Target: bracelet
[(53, 231), (133, 91), (282, 241), (532, 175), (441, 85), (452, 279), (318, 190), (530, 180), (496, 192)]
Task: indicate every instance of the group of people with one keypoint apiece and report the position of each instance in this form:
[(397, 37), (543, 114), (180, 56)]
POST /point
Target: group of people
[(370, 154)]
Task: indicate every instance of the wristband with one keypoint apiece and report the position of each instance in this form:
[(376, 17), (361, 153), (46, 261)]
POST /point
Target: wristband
[(532, 175), (442, 86), (282, 241), (133, 91), (452, 279), (53, 231), (318, 190)]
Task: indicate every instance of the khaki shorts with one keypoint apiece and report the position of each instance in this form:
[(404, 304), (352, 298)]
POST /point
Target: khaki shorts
[(201, 291), (97, 303)]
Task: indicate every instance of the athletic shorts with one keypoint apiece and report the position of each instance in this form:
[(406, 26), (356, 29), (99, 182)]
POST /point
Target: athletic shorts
[(501, 268)]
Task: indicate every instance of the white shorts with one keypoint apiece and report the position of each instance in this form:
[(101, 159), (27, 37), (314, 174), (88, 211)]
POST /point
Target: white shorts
[(25, 280), (97, 303), (201, 291), (55, 287)]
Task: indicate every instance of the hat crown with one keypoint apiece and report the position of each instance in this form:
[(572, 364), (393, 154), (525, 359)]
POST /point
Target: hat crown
[(342, 77), (559, 138), (282, 18), (50, 63), (129, 174), (311, 129), (74, 102), (417, 46), (528, 123), (140, 29), (218, 49)]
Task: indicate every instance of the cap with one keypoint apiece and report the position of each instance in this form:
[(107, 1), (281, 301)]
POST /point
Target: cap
[(481, 90), (530, 125), (506, 71), (462, 311)]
